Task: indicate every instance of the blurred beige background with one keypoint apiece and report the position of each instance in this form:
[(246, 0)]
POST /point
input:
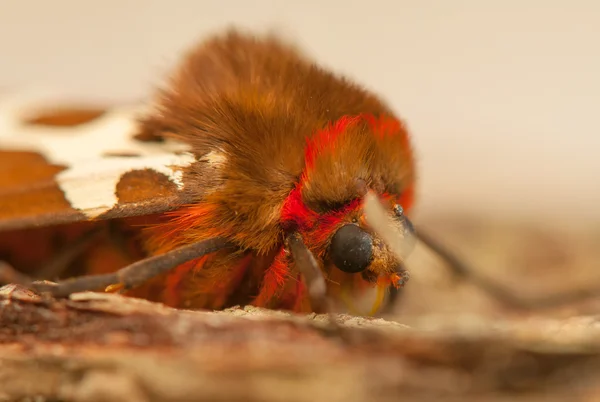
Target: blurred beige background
[(502, 97)]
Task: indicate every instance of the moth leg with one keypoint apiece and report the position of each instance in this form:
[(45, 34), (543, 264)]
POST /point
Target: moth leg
[(63, 259), (460, 269), (10, 275), (135, 274), (315, 281), (395, 293), (53, 268)]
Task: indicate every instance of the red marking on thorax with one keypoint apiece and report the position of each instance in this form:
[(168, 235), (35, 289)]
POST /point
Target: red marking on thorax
[(295, 213), (326, 138), (406, 198), (275, 278)]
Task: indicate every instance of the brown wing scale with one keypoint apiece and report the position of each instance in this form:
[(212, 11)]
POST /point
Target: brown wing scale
[(31, 197)]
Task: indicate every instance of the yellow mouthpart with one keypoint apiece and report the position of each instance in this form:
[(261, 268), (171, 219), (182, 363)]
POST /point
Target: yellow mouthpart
[(383, 283), (379, 296), (114, 288)]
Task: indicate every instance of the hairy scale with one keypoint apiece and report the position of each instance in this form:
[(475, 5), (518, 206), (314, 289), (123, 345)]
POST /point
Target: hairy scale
[(281, 144)]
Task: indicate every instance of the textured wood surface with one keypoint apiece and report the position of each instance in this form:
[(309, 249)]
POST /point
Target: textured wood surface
[(106, 347), (446, 338)]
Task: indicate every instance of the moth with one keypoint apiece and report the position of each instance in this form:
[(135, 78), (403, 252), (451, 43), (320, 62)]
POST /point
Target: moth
[(254, 176)]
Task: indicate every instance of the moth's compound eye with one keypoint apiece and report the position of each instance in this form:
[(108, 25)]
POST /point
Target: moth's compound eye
[(351, 249)]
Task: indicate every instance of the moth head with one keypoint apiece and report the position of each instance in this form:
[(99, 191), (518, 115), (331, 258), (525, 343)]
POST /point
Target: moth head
[(372, 244), (360, 241), (355, 248)]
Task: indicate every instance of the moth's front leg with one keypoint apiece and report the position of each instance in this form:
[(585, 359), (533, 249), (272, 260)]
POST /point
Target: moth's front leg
[(55, 266), (135, 274), (313, 276), (9, 275)]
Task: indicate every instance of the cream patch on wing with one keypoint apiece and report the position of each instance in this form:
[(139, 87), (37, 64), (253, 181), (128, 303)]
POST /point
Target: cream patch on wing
[(214, 158), (90, 180)]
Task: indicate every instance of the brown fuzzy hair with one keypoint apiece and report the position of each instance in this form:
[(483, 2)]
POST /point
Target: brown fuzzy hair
[(281, 145)]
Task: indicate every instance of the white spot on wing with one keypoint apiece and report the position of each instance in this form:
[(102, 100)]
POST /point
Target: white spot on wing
[(215, 158), (89, 182)]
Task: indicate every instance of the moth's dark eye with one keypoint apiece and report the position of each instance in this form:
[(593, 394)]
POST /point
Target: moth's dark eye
[(351, 249)]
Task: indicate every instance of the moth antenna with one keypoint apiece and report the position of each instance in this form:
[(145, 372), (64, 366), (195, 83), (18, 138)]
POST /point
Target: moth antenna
[(315, 282), (135, 274), (381, 223)]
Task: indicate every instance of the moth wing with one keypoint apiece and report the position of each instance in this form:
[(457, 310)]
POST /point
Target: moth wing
[(60, 165)]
